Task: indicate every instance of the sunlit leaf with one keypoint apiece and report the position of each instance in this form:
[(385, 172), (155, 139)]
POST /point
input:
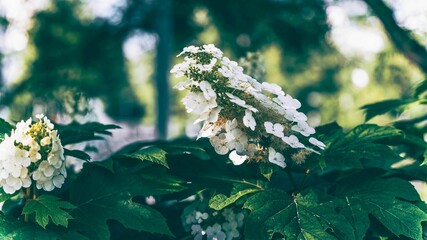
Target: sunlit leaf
[(48, 207)]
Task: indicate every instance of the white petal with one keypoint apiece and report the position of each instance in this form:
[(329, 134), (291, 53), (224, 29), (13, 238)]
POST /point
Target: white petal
[(236, 158)]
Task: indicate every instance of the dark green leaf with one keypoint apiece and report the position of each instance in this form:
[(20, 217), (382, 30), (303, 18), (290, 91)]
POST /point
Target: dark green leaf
[(75, 132), (266, 170), (347, 150), (379, 108), (12, 229), (5, 128), (193, 150), (306, 215), (385, 199), (221, 201), (101, 195), (152, 154), (77, 154), (48, 206)]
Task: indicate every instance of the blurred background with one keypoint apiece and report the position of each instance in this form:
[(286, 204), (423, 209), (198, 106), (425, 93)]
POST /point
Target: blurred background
[(109, 60)]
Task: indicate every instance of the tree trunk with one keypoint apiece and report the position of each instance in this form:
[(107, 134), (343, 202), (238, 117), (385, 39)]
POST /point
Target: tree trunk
[(164, 31)]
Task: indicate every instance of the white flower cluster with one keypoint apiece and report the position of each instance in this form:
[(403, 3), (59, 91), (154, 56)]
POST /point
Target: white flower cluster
[(256, 122), (223, 225), (32, 152)]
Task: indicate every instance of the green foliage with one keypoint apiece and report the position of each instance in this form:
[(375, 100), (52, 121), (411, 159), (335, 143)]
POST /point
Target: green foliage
[(101, 195), (389, 200), (76, 132), (359, 147), (375, 109), (152, 154), (5, 128), (11, 229), (306, 215), (77, 154), (220, 201), (48, 207)]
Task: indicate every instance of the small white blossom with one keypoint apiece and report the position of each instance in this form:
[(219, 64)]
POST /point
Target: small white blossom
[(236, 158), (249, 120), (276, 158), (317, 143), (275, 129), (287, 102), (207, 90), (303, 128), (240, 102), (236, 139), (293, 141), (214, 232), (189, 49), (273, 88), (220, 144)]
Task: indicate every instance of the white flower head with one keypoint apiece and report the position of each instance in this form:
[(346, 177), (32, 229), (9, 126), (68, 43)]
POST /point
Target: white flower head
[(225, 100), (32, 151)]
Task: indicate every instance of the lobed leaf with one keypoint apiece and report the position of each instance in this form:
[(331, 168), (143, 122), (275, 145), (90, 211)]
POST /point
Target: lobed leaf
[(48, 207), (347, 150), (307, 215), (102, 195), (391, 201)]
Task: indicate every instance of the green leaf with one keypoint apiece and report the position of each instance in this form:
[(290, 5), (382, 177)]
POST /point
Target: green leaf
[(75, 132), (48, 206), (5, 128), (390, 201), (420, 88), (193, 150), (221, 201), (101, 195), (347, 150), (11, 229), (267, 170), (152, 154), (307, 215), (379, 108), (425, 158), (77, 154)]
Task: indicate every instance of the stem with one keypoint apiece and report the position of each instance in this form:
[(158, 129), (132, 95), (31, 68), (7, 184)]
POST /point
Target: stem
[(291, 178), (27, 194), (34, 191)]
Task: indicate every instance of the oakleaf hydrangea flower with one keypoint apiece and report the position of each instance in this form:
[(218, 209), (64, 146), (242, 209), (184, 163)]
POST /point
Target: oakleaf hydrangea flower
[(248, 120), (32, 154)]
